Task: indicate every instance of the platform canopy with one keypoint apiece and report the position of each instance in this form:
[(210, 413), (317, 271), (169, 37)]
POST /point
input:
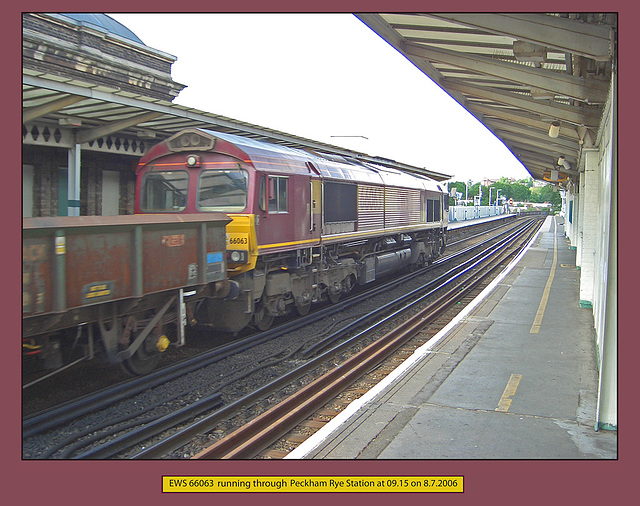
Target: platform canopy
[(87, 80), (537, 81)]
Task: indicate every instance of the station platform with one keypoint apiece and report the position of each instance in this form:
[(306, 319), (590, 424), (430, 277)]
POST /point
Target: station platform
[(512, 377)]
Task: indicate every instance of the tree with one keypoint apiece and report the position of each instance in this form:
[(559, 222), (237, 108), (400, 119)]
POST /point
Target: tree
[(520, 191), (547, 194)]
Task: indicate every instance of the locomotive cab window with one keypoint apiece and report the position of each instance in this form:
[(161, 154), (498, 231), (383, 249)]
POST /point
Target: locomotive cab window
[(223, 190), (164, 191), (278, 194)]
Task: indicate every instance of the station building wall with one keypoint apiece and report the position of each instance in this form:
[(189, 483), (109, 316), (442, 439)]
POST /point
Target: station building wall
[(107, 182), (591, 215)]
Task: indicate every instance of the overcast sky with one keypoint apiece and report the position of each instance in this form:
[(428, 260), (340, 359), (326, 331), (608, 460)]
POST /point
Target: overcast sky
[(326, 77)]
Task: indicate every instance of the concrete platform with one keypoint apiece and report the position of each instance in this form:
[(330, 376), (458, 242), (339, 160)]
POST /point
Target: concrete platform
[(467, 223), (513, 377)]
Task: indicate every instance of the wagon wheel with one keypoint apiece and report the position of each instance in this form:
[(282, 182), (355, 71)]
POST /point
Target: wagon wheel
[(146, 357), (141, 362), (262, 319), (419, 264)]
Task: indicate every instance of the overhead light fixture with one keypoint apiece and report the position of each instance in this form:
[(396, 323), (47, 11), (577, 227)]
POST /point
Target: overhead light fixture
[(554, 129), (540, 94), (146, 134), (563, 163)]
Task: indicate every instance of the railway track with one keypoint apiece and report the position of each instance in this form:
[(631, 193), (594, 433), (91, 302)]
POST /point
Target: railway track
[(136, 432)]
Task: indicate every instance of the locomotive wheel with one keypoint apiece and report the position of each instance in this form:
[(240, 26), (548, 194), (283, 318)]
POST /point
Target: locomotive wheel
[(334, 297), (262, 319), (303, 309)]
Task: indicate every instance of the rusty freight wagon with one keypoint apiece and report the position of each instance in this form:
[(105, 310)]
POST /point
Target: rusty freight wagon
[(120, 286)]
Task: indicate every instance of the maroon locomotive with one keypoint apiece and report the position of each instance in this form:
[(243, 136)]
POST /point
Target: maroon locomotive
[(304, 226)]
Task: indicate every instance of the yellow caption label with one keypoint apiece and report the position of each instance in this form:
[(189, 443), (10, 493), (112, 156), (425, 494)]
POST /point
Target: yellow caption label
[(312, 484)]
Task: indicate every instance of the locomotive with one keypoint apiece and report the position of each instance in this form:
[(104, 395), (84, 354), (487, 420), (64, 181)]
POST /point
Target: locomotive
[(305, 226)]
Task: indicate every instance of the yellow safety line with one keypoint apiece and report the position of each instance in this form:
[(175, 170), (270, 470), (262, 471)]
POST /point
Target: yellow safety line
[(535, 328), (509, 391)]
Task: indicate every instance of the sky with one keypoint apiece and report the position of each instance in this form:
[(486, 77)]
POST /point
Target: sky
[(326, 77)]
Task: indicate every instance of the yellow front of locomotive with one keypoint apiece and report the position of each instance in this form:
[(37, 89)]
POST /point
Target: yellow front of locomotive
[(242, 244)]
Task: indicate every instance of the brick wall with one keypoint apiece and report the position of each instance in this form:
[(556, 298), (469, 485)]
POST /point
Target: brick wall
[(66, 49)]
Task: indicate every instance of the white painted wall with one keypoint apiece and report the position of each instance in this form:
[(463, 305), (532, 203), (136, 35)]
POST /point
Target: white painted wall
[(110, 193), (594, 234)]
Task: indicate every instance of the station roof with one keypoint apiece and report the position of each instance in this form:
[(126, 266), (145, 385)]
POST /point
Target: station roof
[(517, 74), (105, 22)]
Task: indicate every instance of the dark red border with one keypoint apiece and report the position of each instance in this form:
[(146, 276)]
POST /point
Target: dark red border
[(121, 482)]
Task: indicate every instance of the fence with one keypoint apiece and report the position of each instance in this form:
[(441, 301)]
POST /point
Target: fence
[(463, 213)]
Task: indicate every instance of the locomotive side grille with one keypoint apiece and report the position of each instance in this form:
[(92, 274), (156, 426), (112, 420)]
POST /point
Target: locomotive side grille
[(370, 207), (402, 207)]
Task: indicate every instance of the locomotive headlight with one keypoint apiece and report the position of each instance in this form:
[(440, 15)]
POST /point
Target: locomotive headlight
[(193, 161), (237, 256)]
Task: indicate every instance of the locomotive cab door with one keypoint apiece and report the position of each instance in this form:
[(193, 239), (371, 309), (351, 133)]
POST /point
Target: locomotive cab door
[(288, 218)]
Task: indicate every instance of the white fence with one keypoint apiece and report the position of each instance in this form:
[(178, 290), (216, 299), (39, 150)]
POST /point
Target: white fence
[(463, 213)]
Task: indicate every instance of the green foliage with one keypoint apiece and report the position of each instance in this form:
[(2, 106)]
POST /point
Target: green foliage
[(519, 191), (546, 194)]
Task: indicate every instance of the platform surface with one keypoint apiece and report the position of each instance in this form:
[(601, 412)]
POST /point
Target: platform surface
[(492, 385)]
